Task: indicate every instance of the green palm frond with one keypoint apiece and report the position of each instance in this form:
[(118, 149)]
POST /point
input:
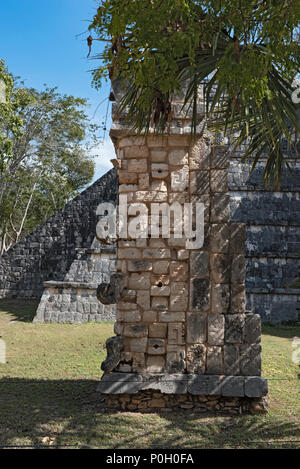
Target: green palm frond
[(260, 126)]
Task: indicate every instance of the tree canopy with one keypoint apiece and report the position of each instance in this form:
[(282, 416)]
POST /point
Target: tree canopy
[(45, 160), (246, 52)]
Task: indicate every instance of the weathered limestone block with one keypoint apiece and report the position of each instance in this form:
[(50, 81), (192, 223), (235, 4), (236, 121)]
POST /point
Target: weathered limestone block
[(138, 362), (161, 267), (219, 237), (238, 238), (180, 197), (205, 201), (233, 386), (136, 151), (139, 265), (163, 290), (175, 359), (250, 363), (157, 141), (219, 157), (159, 186), (137, 166), (158, 253), (127, 178), (178, 271), (234, 327), (124, 368), (205, 385), (238, 269), (252, 330), (196, 328), (143, 299), (163, 383), (129, 253), (156, 364), (196, 358), (118, 329), (220, 302), (200, 182), (171, 316), (159, 170), (138, 345), (120, 383), (139, 281), (220, 209), (160, 280), (136, 330), (176, 334), (238, 298), (220, 268), (231, 360), (199, 264), (215, 329), (144, 181), (219, 180), (198, 384), (158, 156), (159, 303), (199, 154), (200, 294), (178, 157), (132, 141), (180, 179), (158, 330), (214, 361), (127, 188), (132, 316), (150, 316), (151, 196), (256, 387), (156, 346), (179, 296)]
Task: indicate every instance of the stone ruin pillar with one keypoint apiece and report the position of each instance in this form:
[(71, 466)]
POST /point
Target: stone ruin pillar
[(183, 335)]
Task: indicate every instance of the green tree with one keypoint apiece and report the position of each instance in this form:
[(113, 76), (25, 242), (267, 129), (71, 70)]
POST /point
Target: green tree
[(247, 52), (45, 158)]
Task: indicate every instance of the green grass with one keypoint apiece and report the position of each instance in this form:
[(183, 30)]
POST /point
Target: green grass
[(47, 394)]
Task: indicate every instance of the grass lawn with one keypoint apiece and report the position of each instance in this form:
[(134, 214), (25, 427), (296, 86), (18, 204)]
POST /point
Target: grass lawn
[(47, 394)]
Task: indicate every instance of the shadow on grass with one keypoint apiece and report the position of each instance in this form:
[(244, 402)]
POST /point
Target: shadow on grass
[(68, 412), (21, 310)]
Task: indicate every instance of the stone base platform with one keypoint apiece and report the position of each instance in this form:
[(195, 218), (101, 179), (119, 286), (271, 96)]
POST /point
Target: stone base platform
[(180, 384), (72, 303), (74, 299), (150, 401)]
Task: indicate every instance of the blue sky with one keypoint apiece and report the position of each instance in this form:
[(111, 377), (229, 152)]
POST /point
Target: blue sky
[(38, 42)]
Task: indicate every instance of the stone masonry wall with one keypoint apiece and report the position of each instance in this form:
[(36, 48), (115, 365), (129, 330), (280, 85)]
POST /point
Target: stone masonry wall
[(147, 401), (272, 240), (184, 309), (48, 252)]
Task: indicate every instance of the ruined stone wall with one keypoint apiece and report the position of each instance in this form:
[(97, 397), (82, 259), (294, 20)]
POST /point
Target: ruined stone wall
[(148, 401), (272, 241), (48, 252), (184, 308)]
